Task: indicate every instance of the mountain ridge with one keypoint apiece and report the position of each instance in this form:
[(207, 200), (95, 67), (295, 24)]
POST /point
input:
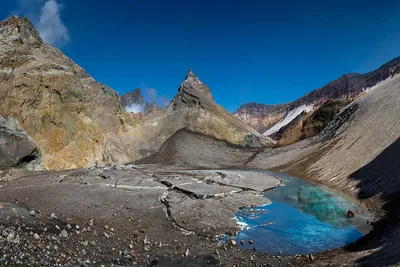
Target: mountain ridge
[(348, 85)]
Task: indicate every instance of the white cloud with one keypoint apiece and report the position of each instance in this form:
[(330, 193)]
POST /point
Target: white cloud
[(50, 25)]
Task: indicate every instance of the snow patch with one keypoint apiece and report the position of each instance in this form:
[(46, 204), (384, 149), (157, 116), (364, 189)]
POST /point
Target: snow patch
[(292, 114)]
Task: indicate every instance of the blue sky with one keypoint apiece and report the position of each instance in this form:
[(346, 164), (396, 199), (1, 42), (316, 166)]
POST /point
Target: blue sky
[(245, 51)]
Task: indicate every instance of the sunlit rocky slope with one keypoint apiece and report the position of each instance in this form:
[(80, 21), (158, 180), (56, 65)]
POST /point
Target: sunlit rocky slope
[(77, 122)]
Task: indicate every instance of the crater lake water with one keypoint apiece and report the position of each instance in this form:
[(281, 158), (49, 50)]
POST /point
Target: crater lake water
[(303, 218)]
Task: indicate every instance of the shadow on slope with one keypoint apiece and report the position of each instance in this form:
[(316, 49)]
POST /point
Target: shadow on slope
[(381, 179), (188, 148)]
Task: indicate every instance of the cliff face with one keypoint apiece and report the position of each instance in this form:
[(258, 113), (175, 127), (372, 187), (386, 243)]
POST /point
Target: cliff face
[(263, 117), (260, 116), (56, 102)]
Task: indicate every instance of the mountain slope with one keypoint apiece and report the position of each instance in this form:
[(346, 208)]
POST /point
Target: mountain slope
[(71, 117), (263, 117), (77, 122)]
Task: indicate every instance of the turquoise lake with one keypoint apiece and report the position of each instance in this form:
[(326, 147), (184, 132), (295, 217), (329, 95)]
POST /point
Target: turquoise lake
[(303, 218)]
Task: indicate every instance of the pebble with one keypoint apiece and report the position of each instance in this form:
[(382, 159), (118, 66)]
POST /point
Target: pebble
[(53, 216), (64, 233), (106, 235), (91, 222), (251, 242), (233, 242), (311, 257), (36, 236), (32, 213), (69, 226)]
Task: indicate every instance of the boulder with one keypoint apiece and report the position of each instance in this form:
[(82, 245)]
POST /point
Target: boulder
[(16, 147)]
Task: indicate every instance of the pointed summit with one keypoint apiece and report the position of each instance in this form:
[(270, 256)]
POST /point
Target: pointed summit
[(192, 93), (20, 29), (190, 74)]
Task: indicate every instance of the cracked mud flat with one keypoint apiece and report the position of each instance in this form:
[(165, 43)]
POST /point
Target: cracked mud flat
[(127, 215)]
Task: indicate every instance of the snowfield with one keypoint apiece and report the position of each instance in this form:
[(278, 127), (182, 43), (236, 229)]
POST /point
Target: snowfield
[(289, 117)]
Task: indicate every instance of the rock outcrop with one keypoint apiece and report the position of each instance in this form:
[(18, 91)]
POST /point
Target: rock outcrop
[(16, 147), (73, 119), (349, 86), (310, 124)]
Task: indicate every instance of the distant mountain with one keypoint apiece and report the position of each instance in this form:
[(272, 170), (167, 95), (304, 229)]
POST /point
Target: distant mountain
[(134, 97), (263, 117), (134, 102)]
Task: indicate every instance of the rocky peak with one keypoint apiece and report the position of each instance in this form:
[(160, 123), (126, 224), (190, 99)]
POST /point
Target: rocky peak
[(134, 97), (19, 29), (192, 93)]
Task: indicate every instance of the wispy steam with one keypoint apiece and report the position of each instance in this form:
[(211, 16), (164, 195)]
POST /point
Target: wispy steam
[(51, 27), (46, 16), (135, 108), (151, 96)]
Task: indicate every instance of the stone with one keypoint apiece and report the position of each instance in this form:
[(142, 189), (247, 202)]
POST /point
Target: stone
[(36, 236), (64, 233), (32, 213), (16, 147)]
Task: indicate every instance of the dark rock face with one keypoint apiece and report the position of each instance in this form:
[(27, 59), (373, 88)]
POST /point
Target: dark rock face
[(340, 118), (307, 125), (16, 148), (263, 117), (319, 119), (134, 97)]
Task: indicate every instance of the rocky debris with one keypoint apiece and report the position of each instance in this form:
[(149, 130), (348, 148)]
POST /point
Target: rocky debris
[(16, 147), (330, 130)]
